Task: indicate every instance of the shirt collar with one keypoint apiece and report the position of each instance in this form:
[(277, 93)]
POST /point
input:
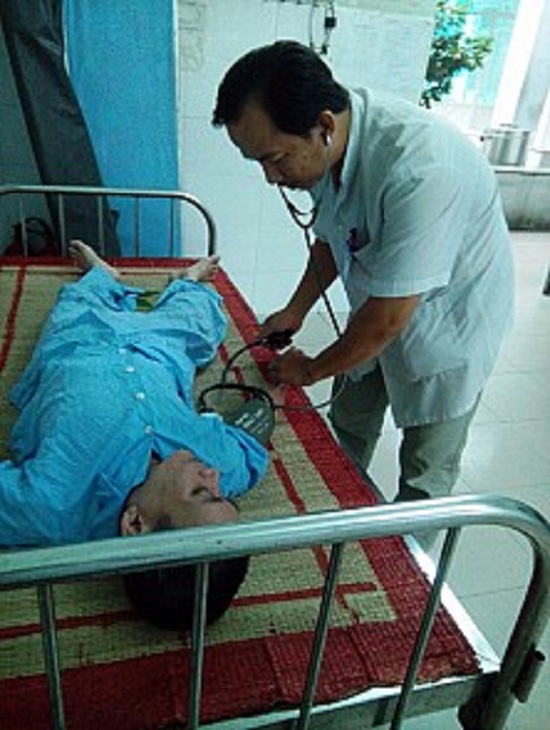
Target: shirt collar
[(352, 153)]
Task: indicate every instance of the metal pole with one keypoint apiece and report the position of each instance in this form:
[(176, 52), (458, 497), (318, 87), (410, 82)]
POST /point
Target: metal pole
[(101, 224), (24, 237), (62, 226), (319, 638), (137, 234), (46, 605), (172, 228), (428, 618), (197, 644)]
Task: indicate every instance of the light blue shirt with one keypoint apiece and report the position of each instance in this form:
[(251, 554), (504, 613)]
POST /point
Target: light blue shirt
[(106, 388), (418, 212)]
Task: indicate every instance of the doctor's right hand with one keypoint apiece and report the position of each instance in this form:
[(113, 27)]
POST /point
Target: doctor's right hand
[(278, 328)]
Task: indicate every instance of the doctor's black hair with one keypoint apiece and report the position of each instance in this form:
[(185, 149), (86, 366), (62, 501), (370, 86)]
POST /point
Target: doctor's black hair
[(165, 597), (290, 81)]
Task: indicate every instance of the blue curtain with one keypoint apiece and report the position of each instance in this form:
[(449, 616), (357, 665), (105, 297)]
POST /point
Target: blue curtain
[(121, 61)]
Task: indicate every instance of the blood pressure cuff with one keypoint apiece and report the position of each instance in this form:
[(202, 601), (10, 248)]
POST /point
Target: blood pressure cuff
[(255, 416)]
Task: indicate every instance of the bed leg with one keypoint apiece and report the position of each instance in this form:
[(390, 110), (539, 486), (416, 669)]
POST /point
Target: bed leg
[(469, 715), (51, 653), (522, 660)]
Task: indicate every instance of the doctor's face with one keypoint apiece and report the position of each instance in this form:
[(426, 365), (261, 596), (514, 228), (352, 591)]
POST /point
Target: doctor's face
[(286, 159)]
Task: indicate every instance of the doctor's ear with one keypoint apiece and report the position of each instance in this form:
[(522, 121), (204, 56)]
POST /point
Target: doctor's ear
[(327, 125), (132, 522)]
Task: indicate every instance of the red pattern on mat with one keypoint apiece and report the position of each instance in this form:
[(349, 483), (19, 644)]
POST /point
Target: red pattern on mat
[(403, 581), (12, 318), (256, 675)]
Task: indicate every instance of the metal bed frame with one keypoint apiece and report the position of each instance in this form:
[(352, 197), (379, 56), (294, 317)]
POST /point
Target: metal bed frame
[(22, 193), (484, 708), (484, 700)]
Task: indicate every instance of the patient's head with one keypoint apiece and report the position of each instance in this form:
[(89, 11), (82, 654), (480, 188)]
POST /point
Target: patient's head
[(179, 492), (165, 597)]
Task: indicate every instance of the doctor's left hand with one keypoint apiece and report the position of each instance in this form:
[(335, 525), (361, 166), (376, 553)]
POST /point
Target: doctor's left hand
[(293, 367)]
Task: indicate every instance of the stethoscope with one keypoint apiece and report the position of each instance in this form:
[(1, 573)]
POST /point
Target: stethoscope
[(305, 221)]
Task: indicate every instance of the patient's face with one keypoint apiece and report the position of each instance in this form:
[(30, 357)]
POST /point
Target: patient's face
[(189, 491), (180, 491)]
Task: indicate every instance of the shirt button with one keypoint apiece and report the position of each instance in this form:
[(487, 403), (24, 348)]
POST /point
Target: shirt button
[(130, 369), (122, 351), (148, 430), (140, 395)]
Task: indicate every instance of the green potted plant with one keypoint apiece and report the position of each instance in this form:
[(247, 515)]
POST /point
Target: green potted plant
[(453, 51)]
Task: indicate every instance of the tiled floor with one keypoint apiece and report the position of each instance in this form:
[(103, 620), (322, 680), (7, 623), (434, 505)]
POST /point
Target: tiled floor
[(509, 454)]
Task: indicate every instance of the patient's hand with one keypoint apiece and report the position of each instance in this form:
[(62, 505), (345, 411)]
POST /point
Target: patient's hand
[(277, 393)]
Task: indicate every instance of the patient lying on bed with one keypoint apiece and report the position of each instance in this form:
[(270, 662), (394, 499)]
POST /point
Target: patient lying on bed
[(108, 441)]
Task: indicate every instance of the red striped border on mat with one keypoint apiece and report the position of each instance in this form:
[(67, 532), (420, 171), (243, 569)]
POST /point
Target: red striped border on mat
[(12, 317)]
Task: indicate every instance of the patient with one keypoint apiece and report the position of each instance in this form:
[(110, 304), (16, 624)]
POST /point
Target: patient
[(108, 440)]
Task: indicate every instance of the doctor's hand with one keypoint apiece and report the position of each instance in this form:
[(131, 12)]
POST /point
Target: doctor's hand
[(292, 368), (278, 328)]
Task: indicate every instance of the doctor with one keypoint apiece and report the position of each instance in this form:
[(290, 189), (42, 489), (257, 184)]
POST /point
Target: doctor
[(407, 212)]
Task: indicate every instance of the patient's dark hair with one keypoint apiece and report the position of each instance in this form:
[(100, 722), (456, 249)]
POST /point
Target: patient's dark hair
[(290, 81), (165, 597)]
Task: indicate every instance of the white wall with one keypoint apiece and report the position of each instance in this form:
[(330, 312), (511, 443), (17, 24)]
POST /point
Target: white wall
[(260, 248)]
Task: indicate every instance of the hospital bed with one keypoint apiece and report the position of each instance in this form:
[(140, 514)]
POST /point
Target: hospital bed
[(343, 621)]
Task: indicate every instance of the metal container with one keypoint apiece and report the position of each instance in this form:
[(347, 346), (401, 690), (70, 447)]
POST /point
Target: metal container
[(506, 144)]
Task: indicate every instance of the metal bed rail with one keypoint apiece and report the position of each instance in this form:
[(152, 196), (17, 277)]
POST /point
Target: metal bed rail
[(43, 567), (60, 192)]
